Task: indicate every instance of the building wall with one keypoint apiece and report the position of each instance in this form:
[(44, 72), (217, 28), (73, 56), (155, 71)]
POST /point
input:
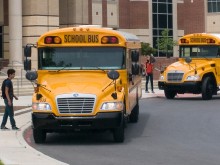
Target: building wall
[(97, 12), (6, 42), (191, 16), (213, 23), (73, 12), (112, 15), (134, 18), (133, 14), (1, 13), (5, 31), (38, 17)]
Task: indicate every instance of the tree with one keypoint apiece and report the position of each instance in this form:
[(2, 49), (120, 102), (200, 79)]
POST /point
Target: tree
[(165, 44), (146, 49)]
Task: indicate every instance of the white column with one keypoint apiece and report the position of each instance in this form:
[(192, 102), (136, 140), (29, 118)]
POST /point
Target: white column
[(15, 34)]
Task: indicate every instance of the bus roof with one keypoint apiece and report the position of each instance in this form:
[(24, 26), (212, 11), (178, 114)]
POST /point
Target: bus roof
[(200, 38), (215, 35), (127, 36)]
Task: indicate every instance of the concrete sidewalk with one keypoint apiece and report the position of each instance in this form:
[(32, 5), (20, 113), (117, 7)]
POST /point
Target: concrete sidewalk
[(13, 148)]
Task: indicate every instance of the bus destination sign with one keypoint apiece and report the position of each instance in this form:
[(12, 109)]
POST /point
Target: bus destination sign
[(198, 40), (81, 38)]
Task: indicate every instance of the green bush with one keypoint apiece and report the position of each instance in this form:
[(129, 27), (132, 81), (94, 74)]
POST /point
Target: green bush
[(1, 163)]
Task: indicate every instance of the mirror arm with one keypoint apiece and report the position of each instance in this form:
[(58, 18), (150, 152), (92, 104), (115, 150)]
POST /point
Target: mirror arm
[(43, 86)]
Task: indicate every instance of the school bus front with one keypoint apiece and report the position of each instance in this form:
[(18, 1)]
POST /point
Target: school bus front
[(85, 81), (198, 69)]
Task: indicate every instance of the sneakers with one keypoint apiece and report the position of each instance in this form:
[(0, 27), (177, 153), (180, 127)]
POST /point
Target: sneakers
[(15, 128), (149, 92), (4, 128)]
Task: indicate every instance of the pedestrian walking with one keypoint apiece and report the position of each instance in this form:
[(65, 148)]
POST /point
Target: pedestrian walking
[(8, 95), (149, 74)]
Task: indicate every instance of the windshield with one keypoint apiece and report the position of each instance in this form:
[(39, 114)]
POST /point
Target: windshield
[(81, 58), (200, 51)]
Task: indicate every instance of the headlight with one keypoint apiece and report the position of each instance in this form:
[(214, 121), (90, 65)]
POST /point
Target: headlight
[(193, 78), (41, 106), (112, 106), (161, 77)]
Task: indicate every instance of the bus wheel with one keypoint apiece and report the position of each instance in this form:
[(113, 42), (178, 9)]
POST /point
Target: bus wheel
[(169, 93), (207, 88), (39, 135), (118, 133), (134, 114)]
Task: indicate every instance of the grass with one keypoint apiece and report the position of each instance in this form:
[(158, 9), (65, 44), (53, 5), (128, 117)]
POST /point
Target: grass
[(1, 163)]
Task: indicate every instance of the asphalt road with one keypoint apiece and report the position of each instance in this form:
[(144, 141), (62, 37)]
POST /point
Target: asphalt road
[(183, 131)]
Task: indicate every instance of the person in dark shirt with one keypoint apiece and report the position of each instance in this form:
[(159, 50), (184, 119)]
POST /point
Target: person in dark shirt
[(8, 100)]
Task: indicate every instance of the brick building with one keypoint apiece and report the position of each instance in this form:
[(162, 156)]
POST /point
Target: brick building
[(23, 21)]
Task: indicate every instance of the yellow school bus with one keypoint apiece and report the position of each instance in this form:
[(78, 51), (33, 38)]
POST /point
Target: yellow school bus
[(88, 78), (198, 69)]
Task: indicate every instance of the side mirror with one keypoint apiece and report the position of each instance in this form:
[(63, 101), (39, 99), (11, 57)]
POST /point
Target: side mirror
[(134, 56), (27, 51), (27, 64), (113, 75), (188, 59), (135, 69), (32, 75)]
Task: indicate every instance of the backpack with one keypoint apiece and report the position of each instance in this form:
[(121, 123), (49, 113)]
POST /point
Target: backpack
[(3, 89)]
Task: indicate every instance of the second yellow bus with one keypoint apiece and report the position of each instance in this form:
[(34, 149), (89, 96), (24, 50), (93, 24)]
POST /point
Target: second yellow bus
[(197, 70)]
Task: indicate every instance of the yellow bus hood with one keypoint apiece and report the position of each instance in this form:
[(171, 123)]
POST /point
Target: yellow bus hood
[(80, 82), (185, 67)]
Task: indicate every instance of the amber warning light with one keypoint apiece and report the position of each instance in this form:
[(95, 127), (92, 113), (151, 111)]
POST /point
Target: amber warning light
[(184, 41), (109, 40), (210, 41), (52, 40)]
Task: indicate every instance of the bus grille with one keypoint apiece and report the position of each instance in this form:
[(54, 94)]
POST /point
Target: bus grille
[(75, 105), (174, 77)]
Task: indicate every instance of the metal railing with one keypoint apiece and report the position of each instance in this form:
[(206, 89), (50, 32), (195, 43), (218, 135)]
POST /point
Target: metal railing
[(21, 72)]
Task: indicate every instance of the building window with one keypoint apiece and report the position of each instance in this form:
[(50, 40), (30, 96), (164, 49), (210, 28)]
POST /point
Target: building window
[(1, 41), (162, 19), (213, 6)]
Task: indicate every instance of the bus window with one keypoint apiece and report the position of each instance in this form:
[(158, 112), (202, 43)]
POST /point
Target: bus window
[(82, 58), (199, 51), (194, 52), (184, 51)]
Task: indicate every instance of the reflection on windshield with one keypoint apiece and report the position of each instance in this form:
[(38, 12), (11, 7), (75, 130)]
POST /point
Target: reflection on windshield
[(199, 51), (82, 58)]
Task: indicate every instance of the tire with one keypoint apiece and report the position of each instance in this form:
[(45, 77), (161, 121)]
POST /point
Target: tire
[(39, 136), (118, 134), (207, 88), (169, 93), (134, 114)]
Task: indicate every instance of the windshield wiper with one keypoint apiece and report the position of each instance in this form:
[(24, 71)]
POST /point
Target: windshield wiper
[(100, 69), (67, 65), (203, 57), (61, 69)]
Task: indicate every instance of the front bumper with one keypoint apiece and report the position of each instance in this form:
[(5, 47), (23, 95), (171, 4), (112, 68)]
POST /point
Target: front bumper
[(50, 122), (185, 87)]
